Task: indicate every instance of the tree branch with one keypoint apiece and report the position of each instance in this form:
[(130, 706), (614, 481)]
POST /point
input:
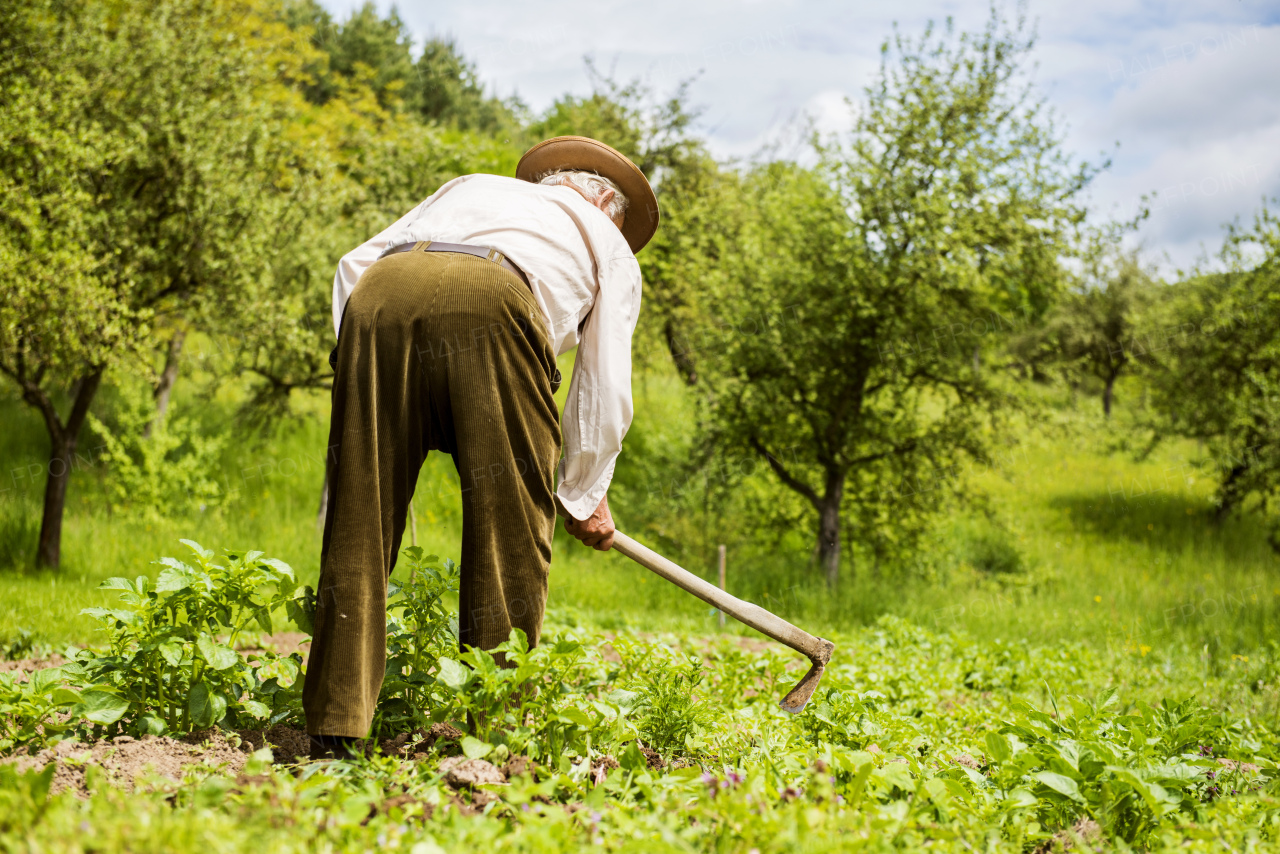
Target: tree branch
[(785, 476)]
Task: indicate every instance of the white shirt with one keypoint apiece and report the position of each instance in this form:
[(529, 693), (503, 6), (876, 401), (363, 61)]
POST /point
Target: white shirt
[(580, 268)]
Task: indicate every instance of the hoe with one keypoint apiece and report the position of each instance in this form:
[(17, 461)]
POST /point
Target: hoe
[(817, 650)]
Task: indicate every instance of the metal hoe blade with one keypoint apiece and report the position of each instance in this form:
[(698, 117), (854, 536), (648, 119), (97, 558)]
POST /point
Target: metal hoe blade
[(798, 697)]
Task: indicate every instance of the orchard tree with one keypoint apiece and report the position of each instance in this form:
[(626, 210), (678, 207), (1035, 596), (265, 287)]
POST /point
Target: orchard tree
[(441, 86), (696, 200), (1213, 369), (144, 175), (1091, 331), (863, 290)]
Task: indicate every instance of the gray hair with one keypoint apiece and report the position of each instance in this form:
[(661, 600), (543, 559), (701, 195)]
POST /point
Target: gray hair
[(592, 186)]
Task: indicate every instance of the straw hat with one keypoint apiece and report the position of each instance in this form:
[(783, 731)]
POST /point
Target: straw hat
[(588, 155)]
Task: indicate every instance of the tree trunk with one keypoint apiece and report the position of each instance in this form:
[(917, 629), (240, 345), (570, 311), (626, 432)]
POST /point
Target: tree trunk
[(829, 542), (829, 527), (62, 451), (680, 355), (167, 378), (1106, 396)]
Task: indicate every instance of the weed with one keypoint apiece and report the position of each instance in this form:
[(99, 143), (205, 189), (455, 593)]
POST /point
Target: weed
[(670, 715)]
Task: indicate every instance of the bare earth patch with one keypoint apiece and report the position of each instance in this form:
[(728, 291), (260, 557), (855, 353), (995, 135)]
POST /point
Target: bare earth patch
[(29, 665), (125, 760)]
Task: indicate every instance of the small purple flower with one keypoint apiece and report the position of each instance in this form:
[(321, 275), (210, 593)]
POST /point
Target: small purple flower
[(790, 793), (595, 817), (736, 779)]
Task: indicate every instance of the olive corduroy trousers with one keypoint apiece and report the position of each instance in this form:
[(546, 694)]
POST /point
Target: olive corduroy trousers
[(437, 351)]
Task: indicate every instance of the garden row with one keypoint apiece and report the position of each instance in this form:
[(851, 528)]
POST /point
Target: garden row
[(672, 743)]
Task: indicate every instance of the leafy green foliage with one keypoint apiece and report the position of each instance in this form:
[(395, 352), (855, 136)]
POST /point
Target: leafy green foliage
[(421, 630), (35, 709), (863, 294), (1214, 373), (902, 748), (525, 701), (533, 702), (671, 711), (146, 170), (162, 471), (1091, 332), (172, 658)]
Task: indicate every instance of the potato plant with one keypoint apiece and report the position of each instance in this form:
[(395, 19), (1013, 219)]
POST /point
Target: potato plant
[(171, 660)]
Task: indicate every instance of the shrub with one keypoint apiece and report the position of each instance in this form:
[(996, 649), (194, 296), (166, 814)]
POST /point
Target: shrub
[(168, 472), (992, 552)]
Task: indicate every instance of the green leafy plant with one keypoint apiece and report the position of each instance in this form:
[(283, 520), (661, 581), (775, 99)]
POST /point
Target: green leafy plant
[(28, 707), (537, 705), (421, 629), (172, 660), (158, 467), (670, 715), (513, 699), (22, 644)]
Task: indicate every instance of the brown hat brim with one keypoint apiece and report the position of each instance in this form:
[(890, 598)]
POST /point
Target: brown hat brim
[(589, 155)]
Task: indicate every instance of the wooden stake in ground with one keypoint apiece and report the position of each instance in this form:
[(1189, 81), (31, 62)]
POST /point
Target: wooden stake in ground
[(722, 587), (413, 524)]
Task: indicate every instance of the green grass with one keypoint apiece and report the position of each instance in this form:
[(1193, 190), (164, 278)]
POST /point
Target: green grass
[(1124, 555), (1086, 572)]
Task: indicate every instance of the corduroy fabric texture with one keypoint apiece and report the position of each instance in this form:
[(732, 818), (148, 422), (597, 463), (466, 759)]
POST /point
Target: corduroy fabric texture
[(437, 351)]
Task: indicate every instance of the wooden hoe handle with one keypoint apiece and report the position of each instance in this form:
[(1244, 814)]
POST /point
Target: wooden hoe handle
[(815, 649)]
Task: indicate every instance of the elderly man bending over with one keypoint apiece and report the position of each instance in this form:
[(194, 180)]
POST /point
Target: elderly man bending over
[(449, 324)]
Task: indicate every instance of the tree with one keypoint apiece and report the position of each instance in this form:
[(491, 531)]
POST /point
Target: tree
[(375, 51), (1090, 332), (695, 199), (447, 90), (144, 174), (862, 290), (441, 86), (1212, 353)]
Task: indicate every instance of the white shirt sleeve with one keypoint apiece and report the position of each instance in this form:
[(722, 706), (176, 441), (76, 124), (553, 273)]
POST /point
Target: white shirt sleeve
[(598, 410)]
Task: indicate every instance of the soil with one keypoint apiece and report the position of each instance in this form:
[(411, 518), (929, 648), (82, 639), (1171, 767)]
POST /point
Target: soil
[(519, 766), (1086, 831), (652, 758), (461, 772), (287, 743), (29, 665), (125, 761), (281, 643), (416, 744), (600, 768)]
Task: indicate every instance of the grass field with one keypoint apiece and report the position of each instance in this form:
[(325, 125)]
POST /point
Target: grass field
[(1089, 573)]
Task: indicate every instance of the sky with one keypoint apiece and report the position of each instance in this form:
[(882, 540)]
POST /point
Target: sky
[(1183, 97)]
